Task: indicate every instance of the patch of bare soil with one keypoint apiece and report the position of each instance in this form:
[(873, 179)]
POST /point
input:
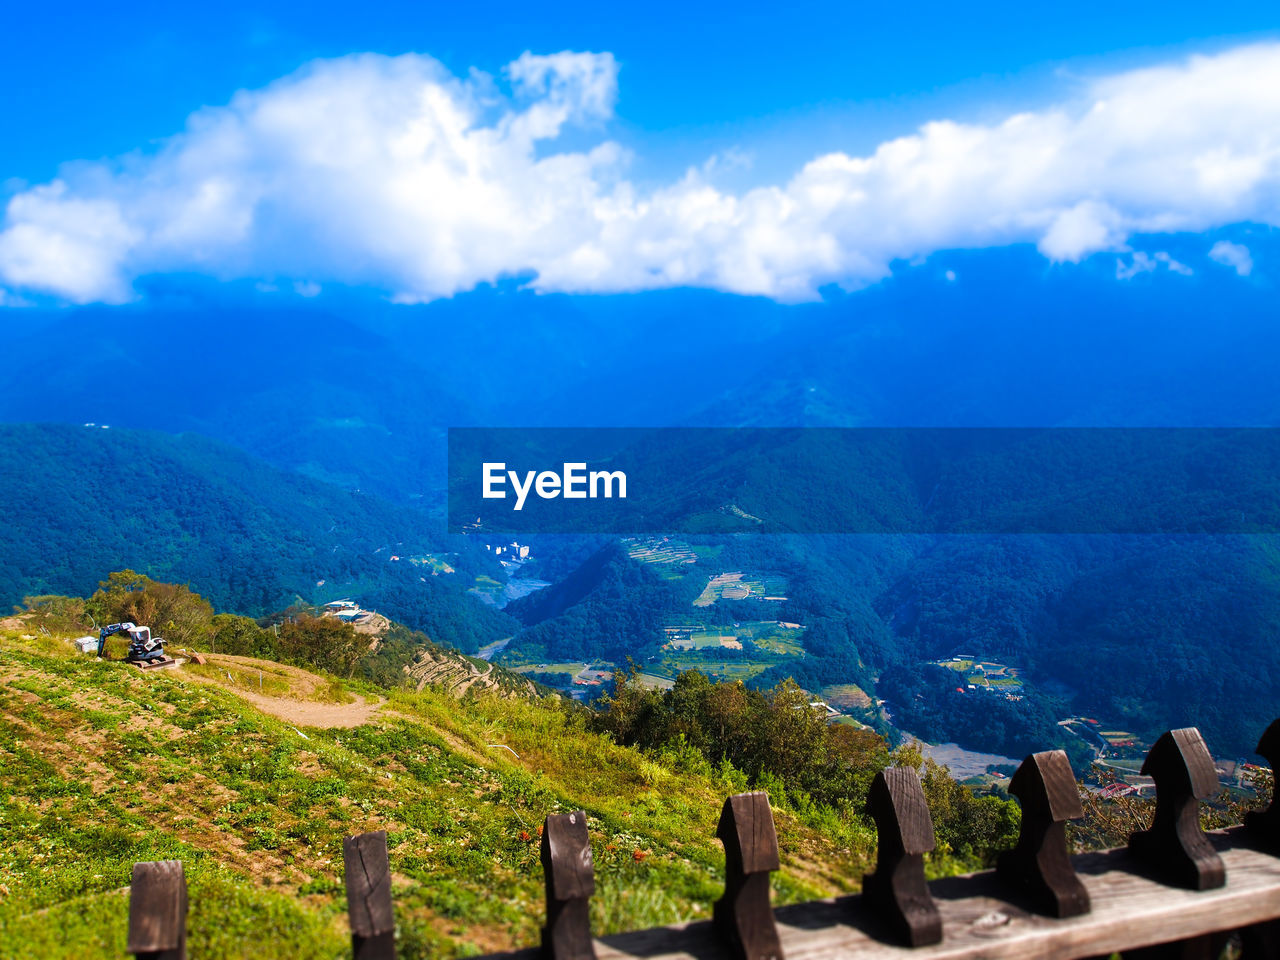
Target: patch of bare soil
[(311, 713), (294, 706)]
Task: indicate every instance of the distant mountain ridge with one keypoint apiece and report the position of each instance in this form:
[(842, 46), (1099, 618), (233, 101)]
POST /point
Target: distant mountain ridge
[(358, 392)]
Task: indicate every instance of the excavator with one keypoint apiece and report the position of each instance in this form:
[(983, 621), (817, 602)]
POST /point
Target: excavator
[(144, 649)]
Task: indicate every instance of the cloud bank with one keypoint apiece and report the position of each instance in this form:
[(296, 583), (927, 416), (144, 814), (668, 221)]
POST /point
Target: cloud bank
[(392, 173)]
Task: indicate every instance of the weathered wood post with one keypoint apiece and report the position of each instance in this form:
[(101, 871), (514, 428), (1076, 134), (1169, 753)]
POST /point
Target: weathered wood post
[(1040, 864), (158, 911), (570, 878), (1175, 846), (369, 908), (744, 916), (897, 889), (1264, 825)]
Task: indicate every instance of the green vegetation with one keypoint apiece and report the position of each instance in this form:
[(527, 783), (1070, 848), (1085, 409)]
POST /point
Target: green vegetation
[(1148, 632), (933, 702), (102, 765), (608, 609), (248, 536), (782, 744)]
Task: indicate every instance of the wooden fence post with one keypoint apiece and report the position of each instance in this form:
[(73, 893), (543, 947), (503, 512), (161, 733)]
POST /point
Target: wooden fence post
[(1265, 824), (158, 911), (570, 878), (1040, 864), (369, 908), (1175, 846), (905, 833), (744, 915)]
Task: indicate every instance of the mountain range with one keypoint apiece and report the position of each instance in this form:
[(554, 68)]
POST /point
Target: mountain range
[(268, 449)]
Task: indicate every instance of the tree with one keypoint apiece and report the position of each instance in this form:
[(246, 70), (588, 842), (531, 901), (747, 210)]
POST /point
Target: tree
[(241, 636), (792, 737), (970, 828), (632, 714), (324, 642), (171, 610)]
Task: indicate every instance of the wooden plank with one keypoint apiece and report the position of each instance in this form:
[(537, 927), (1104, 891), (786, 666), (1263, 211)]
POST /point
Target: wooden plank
[(158, 911), (369, 907), (1130, 909)]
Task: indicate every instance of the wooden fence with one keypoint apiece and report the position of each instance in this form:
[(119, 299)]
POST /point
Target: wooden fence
[(1174, 892)]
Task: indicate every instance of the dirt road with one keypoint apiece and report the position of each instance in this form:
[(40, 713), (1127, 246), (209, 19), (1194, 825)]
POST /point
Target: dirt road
[(298, 705)]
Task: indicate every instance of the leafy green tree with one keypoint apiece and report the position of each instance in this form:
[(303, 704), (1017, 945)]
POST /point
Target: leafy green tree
[(972, 829), (323, 642), (241, 636), (171, 610)]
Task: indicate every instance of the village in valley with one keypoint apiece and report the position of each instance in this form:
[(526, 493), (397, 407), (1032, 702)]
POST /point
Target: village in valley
[(724, 648), (705, 638)]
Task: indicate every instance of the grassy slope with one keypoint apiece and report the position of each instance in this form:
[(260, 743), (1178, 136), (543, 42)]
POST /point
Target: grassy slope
[(102, 765)]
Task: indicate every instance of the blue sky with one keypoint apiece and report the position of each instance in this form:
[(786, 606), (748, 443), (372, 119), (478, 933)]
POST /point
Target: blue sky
[(601, 149), (82, 81)]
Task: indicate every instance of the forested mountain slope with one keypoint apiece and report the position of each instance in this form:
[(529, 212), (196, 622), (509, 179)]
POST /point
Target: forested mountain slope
[(82, 501)]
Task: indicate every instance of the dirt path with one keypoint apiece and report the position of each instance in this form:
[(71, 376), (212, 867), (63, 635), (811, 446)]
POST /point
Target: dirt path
[(310, 713), (294, 707)]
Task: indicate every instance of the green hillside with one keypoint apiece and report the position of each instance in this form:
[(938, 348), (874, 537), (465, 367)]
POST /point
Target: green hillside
[(102, 765), (248, 536)]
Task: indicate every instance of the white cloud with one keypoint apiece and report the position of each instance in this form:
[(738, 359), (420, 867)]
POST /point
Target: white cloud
[(1234, 255), (393, 173), (1141, 262)]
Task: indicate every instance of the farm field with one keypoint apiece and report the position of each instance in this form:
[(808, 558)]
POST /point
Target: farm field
[(736, 669), (571, 669), (846, 696), (432, 562), (704, 640), (661, 550), (655, 682), (848, 721), (486, 586), (771, 636), (741, 586)]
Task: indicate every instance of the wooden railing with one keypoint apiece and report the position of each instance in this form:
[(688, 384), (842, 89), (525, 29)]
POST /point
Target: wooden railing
[(1173, 892)]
